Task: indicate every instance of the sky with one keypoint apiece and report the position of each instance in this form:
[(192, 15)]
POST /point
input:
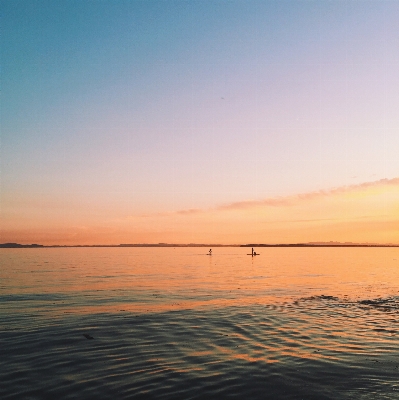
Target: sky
[(199, 121)]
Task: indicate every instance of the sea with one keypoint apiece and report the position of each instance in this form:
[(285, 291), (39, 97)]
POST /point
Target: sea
[(176, 323)]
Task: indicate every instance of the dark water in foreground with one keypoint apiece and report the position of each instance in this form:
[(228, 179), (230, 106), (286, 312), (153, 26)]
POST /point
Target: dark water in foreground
[(175, 324)]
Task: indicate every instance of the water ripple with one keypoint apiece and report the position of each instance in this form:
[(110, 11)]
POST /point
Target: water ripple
[(229, 352)]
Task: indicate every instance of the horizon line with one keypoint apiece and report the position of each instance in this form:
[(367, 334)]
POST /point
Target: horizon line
[(301, 244)]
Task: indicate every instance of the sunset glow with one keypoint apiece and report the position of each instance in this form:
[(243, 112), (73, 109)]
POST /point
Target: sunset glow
[(199, 122), (361, 213)]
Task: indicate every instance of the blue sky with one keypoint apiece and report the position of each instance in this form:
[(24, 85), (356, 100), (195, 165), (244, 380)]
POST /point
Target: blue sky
[(153, 106)]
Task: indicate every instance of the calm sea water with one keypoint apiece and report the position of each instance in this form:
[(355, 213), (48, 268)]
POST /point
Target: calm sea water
[(165, 323)]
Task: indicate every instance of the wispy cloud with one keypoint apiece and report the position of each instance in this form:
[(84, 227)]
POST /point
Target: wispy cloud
[(188, 211), (283, 201), (293, 200)]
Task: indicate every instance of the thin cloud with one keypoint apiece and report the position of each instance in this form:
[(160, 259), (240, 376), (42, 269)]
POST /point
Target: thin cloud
[(363, 217), (189, 211), (293, 200), (283, 201)]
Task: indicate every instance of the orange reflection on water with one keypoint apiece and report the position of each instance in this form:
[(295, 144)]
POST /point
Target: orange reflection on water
[(160, 279)]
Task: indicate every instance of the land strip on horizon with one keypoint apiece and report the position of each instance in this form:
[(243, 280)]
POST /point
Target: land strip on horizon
[(311, 244)]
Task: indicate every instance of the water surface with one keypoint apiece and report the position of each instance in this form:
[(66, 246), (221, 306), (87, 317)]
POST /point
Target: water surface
[(292, 323)]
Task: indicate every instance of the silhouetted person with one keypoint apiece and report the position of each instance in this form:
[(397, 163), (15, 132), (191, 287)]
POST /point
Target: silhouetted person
[(210, 252), (252, 251)]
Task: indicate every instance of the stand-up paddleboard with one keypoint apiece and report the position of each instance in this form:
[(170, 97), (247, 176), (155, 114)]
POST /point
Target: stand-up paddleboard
[(257, 254)]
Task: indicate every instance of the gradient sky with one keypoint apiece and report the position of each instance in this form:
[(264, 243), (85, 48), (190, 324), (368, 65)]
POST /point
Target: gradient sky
[(199, 121)]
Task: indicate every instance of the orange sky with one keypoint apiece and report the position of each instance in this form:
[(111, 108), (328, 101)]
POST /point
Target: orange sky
[(155, 121), (368, 212)]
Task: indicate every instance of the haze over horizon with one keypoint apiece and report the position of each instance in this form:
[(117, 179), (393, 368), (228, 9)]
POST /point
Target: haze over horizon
[(199, 122)]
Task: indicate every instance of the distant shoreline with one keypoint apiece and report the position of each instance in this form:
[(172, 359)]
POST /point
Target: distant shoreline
[(333, 244)]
